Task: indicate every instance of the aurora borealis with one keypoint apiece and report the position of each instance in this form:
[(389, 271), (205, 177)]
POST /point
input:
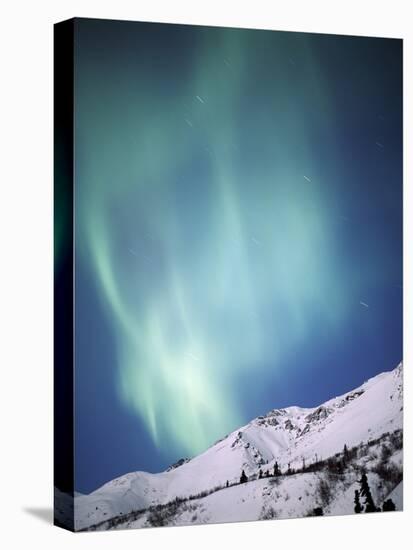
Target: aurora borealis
[(238, 231)]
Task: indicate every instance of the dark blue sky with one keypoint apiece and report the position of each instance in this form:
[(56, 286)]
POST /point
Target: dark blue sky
[(238, 231)]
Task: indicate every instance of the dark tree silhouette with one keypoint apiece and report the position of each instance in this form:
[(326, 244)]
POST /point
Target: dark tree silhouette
[(227, 484), (243, 478), (366, 494), (260, 474), (389, 506), (358, 508), (276, 469)]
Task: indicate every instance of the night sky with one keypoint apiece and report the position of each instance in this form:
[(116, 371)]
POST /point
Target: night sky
[(238, 231)]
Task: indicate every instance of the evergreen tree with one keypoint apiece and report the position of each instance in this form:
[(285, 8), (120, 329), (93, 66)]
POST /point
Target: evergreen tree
[(345, 453), (389, 506), (339, 466), (358, 508), (276, 469), (243, 478), (366, 494), (227, 483), (260, 474)]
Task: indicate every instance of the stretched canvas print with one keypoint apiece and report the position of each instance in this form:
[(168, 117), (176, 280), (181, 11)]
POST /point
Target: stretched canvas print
[(228, 275)]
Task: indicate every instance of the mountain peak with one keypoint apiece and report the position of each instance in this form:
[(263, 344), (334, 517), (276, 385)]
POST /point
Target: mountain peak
[(289, 436)]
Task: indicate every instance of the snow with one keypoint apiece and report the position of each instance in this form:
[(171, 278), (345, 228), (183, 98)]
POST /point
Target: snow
[(397, 496), (286, 436)]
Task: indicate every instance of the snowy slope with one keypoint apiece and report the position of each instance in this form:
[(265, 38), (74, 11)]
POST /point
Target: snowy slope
[(397, 496), (287, 496), (287, 435)]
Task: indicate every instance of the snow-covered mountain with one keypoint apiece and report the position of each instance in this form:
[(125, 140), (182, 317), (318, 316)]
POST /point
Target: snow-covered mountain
[(293, 437)]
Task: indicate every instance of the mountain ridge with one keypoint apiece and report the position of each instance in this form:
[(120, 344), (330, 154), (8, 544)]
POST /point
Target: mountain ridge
[(289, 436)]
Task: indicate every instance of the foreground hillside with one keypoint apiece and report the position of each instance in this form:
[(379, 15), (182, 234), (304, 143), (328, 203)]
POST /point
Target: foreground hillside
[(367, 421), (324, 488)]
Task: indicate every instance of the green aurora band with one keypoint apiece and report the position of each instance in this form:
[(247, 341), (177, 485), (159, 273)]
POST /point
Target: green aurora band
[(211, 249)]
